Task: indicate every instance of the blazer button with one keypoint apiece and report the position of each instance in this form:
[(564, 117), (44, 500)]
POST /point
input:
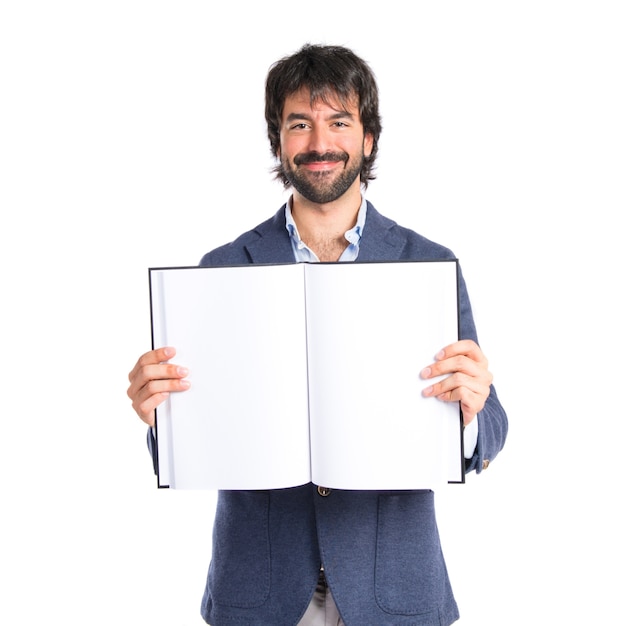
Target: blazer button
[(485, 463), (324, 491)]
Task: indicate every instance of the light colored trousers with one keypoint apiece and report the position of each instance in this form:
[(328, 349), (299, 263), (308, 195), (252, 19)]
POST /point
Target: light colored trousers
[(322, 610)]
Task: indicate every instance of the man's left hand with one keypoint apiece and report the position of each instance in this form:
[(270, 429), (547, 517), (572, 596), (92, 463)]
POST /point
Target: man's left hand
[(468, 381)]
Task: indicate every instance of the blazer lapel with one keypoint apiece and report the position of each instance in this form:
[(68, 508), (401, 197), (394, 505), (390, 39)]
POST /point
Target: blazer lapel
[(272, 245), (381, 240)]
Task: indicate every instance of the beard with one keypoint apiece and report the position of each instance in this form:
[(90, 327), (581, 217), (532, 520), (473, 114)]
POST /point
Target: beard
[(322, 187)]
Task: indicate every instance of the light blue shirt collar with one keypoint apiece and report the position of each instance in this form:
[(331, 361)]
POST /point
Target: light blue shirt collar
[(302, 253)]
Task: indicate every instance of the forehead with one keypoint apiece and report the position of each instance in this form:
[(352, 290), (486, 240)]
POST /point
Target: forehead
[(304, 101)]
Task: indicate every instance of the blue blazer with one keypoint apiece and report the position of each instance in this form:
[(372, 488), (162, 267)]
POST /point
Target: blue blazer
[(380, 549)]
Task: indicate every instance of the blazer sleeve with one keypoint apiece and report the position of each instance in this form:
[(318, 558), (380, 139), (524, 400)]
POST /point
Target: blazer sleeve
[(151, 441), (492, 431), (492, 420)]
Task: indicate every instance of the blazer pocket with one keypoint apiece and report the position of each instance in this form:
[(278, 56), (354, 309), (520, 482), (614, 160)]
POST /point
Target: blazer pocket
[(410, 575), (239, 574)]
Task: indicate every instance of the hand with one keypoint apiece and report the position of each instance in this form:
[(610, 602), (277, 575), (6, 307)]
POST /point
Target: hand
[(152, 380), (469, 379)]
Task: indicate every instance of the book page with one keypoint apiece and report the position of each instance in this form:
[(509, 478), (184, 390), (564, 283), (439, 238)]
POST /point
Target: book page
[(243, 424), (372, 328)]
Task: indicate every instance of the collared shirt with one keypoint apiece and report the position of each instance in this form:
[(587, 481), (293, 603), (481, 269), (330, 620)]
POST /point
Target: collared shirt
[(303, 254)]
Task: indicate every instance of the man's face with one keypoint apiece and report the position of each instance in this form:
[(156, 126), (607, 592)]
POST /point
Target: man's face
[(322, 147)]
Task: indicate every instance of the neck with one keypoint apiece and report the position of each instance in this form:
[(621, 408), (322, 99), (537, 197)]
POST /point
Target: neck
[(326, 221), (323, 227)]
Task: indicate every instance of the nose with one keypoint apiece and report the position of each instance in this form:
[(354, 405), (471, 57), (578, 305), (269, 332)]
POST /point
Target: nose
[(320, 140)]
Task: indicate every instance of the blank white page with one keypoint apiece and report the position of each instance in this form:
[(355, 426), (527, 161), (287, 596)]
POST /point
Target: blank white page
[(243, 424), (372, 328)]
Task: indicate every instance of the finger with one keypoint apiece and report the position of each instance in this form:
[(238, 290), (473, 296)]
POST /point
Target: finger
[(151, 358), (470, 393), (151, 395), (142, 387), (451, 387), (153, 379), (471, 403), (464, 347), (459, 363), (149, 373), (450, 383)]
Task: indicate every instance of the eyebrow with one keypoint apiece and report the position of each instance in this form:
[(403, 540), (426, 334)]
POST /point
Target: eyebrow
[(339, 115)]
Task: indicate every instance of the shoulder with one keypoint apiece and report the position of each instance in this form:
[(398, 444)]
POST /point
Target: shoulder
[(270, 233), (382, 234)]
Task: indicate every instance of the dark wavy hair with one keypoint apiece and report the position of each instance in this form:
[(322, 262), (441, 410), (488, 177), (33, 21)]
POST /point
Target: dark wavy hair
[(329, 73)]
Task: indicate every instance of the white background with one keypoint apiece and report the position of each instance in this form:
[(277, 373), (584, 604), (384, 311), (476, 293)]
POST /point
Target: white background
[(132, 135)]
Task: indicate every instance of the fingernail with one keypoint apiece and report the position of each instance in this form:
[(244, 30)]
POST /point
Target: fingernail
[(427, 391), (440, 355), (185, 383), (182, 371), (425, 373)]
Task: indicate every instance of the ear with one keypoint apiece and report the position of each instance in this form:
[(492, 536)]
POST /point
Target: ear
[(368, 144)]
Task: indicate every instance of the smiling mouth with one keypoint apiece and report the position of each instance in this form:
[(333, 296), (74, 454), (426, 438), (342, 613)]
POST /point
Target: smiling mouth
[(321, 166)]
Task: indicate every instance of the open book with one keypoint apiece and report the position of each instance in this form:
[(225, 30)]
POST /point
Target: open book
[(307, 373)]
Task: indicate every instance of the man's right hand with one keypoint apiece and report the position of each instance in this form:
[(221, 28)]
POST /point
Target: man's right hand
[(152, 380)]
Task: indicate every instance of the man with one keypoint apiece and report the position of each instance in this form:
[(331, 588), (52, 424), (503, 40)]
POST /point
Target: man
[(311, 555)]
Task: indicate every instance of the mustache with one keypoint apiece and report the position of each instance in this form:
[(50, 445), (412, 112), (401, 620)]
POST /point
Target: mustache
[(317, 157)]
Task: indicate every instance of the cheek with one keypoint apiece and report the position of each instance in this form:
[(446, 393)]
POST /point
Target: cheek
[(289, 148)]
